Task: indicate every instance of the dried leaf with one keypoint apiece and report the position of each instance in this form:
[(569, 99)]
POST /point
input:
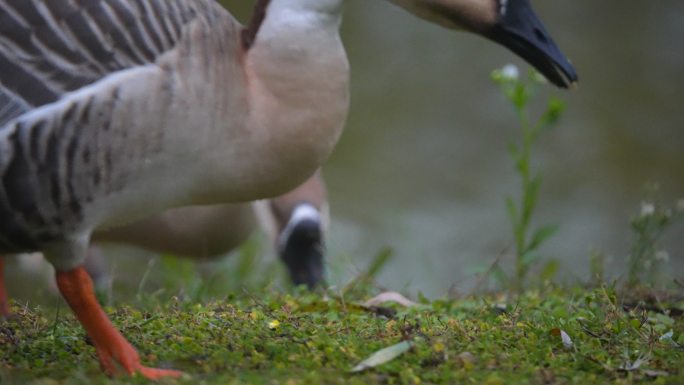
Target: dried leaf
[(630, 367), (567, 342), (655, 373), (389, 296), (565, 338), (382, 356), (667, 337)]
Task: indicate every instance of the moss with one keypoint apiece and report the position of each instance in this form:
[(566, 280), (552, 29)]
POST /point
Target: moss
[(277, 338)]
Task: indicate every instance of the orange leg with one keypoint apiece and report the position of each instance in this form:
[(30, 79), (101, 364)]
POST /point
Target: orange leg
[(115, 353), (4, 304)]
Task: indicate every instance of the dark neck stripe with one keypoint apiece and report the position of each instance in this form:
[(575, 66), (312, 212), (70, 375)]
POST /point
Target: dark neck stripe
[(249, 33)]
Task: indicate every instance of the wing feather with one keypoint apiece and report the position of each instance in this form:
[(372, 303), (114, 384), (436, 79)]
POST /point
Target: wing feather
[(51, 47)]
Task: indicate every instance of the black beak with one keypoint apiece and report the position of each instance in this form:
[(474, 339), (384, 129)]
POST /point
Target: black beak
[(520, 30), (302, 253)]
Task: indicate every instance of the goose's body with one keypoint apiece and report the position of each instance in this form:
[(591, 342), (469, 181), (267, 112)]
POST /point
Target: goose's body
[(197, 232), (93, 156), (113, 110)]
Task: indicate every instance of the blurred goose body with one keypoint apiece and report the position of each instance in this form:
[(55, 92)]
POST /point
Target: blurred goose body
[(114, 110), (296, 223)]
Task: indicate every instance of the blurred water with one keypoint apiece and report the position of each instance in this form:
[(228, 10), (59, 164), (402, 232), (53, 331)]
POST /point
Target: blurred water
[(423, 167)]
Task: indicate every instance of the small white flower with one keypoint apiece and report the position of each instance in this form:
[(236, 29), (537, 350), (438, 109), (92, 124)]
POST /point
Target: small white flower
[(510, 72), (647, 208), (662, 256)]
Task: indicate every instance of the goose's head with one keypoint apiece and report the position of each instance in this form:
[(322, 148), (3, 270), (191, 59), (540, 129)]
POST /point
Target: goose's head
[(511, 23)]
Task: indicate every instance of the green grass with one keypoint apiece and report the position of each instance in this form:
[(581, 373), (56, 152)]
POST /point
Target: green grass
[(485, 340)]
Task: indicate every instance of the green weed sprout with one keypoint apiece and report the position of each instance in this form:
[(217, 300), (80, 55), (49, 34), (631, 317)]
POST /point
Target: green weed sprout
[(520, 92)]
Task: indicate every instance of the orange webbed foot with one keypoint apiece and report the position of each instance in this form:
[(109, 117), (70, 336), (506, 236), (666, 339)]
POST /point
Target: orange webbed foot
[(117, 356), (127, 362)]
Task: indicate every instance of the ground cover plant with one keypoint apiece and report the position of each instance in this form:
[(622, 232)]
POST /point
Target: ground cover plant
[(520, 93), (550, 336)]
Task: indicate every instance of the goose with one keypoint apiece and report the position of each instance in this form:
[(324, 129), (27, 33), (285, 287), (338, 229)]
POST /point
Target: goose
[(296, 223), (114, 110)]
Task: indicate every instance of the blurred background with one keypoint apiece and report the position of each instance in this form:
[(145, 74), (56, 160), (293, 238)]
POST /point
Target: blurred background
[(423, 166)]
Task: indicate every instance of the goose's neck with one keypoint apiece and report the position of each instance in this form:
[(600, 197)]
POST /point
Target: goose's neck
[(294, 43), (298, 78)]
